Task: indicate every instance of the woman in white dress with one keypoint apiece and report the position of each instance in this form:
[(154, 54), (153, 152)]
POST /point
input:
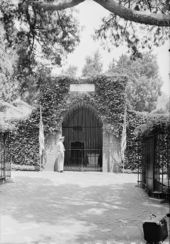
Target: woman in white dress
[(60, 155)]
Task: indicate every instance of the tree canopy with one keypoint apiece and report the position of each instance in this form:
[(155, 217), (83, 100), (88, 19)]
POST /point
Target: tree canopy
[(163, 104), (48, 27), (51, 26), (128, 19), (70, 71), (37, 38), (93, 65), (8, 84), (35, 33), (144, 83)]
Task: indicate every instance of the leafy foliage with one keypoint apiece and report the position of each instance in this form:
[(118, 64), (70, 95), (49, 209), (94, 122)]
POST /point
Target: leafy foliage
[(37, 34), (140, 126), (162, 153), (71, 71), (24, 145), (30, 86), (144, 83), (8, 84), (93, 65), (154, 123), (133, 153), (117, 31), (163, 104), (156, 131), (167, 107)]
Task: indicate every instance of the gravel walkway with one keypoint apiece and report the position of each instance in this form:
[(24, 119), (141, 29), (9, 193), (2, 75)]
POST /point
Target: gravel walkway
[(74, 208)]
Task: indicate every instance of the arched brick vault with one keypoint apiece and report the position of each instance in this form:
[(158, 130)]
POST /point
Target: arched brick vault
[(111, 144), (107, 102)]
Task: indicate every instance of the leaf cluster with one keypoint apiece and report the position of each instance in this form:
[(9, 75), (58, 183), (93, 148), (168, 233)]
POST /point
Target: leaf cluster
[(140, 127), (23, 144), (155, 123), (8, 83), (157, 130), (32, 31), (133, 154), (93, 66), (117, 31), (144, 83)]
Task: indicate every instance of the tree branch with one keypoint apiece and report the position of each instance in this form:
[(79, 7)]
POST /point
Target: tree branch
[(144, 17), (135, 16), (56, 4)]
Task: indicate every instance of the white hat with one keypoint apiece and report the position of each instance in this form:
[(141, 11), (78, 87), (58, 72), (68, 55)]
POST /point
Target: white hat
[(61, 137)]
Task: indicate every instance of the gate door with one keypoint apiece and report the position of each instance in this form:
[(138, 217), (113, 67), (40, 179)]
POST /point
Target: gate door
[(82, 130)]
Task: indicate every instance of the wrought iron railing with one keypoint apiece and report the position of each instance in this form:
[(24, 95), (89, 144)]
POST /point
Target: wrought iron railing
[(155, 173), (5, 165), (83, 159)]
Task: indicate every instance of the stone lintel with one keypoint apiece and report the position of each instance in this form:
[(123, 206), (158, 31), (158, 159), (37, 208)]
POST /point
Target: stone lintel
[(82, 88)]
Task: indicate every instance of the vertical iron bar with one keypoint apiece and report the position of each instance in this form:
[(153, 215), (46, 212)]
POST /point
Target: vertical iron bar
[(4, 157)]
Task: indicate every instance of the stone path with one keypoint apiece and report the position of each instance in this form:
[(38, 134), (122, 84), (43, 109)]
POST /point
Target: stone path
[(74, 208)]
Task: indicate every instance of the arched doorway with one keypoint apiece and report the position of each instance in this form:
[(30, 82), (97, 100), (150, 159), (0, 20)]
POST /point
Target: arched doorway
[(82, 129)]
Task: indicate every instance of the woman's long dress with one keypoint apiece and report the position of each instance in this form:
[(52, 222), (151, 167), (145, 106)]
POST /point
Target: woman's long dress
[(59, 163)]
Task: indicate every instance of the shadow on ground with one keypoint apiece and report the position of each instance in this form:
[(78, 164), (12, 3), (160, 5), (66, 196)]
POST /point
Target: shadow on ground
[(35, 210)]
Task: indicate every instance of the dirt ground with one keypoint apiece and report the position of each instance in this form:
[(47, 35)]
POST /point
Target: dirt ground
[(74, 208)]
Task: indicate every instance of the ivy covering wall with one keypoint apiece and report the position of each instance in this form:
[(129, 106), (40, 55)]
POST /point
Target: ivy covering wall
[(24, 144), (133, 154), (157, 126), (140, 125), (56, 100)]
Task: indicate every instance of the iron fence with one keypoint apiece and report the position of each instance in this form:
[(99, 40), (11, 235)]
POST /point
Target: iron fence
[(5, 165), (154, 171)]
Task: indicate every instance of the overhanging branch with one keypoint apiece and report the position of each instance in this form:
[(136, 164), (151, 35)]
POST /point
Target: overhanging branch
[(135, 16), (56, 4), (144, 17)]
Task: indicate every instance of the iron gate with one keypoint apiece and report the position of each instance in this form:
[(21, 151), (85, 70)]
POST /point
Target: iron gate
[(5, 166), (82, 130)]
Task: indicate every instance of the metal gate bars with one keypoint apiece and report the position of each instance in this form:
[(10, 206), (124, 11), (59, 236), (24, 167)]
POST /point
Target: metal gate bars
[(82, 129)]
